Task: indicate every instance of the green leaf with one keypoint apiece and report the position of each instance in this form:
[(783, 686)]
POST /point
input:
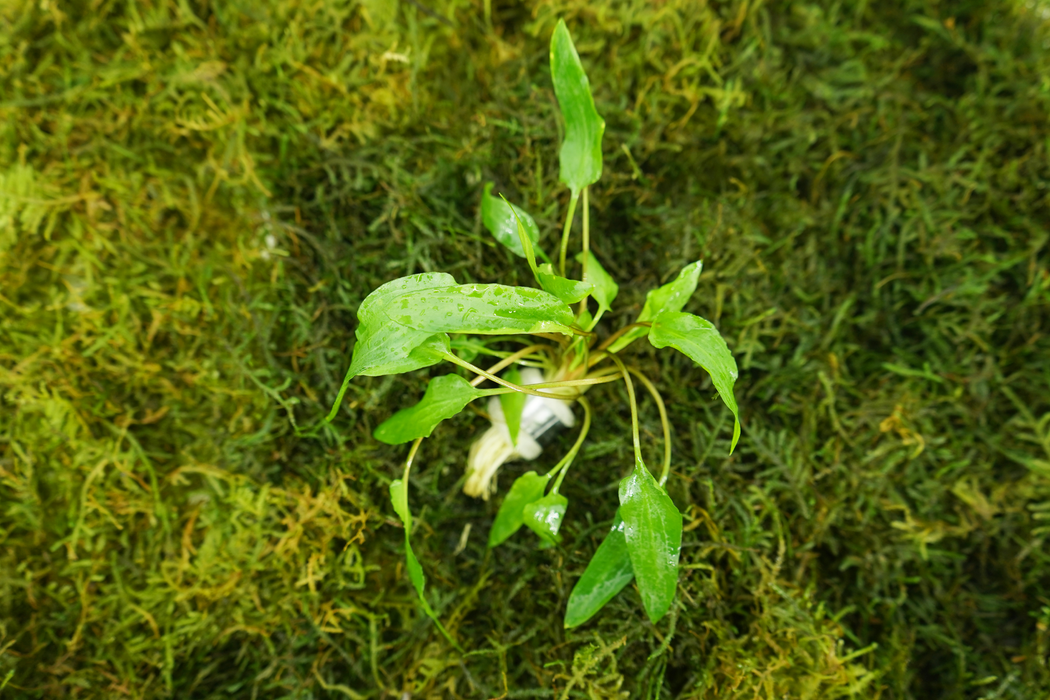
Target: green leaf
[(544, 516), (700, 340), (512, 404), (445, 397), (399, 499), (383, 348), (605, 288), (489, 309), (653, 530), (527, 488), (606, 575), (669, 297), (581, 151), (569, 291), (498, 217)]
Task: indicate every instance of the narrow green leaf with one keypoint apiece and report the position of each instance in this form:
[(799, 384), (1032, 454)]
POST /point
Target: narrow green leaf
[(445, 397), (527, 488), (700, 340), (581, 151), (669, 297), (544, 516), (512, 404), (569, 291), (605, 288), (399, 499), (653, 530), (489, 309), (606, 575), (499, 219)]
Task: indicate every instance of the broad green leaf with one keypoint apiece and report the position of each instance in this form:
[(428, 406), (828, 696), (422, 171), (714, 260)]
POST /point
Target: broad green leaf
[(544, 516), (399, 499), (527, 488), (445, 397), (498, 217), (383, 348), (490, 309), (700, 340), (569, 291), (653, 530), (581, 151), (512, 404), (605, 288), (606, 575), (669, 297)]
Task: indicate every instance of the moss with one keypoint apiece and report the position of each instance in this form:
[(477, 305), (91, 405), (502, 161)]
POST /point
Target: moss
[(195, 197)]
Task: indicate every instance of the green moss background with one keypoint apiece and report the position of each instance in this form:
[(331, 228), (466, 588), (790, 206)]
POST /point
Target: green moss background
[(195, 196)]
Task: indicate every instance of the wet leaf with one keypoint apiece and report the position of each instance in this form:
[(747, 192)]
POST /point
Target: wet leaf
[(385, 349), (581, 151), (445, 397), (653, 530), (703, 344), (527, 488), (669, 297), (544, 516), (491, 309), (608, 572), (499, 219)]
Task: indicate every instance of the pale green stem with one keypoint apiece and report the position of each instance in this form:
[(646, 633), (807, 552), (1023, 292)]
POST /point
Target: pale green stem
[(664, 423), (634, 406), (586, 381), (408, 461), (503, 382), (567, 460), (565, 232), (586, 245), (511, 359)]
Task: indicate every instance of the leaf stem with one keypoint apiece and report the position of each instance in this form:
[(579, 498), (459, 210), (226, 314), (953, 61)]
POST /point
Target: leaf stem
[(664, 423), (586, 247), (502, 382), (567, 460), (616, 336), (565, 232), (634, 406), (511, 359), (338, 399), (409, 459), (586, 381)]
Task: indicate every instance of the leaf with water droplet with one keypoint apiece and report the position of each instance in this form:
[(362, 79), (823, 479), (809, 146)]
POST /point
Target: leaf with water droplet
[(545, 515), (489, 309), (385, 348), (608, 572), (527, 488), (703, 344), (445, 397), (653, 531)]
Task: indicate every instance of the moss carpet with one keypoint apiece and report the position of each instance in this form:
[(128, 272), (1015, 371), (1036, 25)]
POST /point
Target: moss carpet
[(195, 196)]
